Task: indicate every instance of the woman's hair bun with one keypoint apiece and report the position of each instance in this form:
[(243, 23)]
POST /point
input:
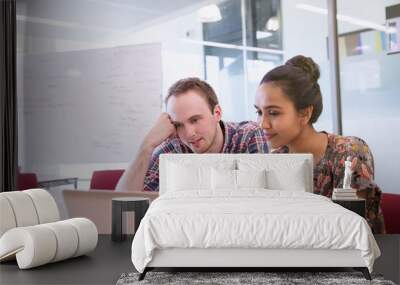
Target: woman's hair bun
[(306, 64)]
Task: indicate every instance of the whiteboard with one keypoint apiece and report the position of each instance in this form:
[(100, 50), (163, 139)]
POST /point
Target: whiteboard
[(90, 106)]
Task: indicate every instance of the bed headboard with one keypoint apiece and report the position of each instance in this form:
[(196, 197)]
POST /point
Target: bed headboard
[(284, 165)]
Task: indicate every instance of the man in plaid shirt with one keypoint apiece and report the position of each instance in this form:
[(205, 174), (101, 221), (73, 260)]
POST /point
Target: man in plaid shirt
[(192, 124)]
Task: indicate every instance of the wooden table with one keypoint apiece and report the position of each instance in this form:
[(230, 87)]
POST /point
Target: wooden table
[(48, 183), (96, 205)]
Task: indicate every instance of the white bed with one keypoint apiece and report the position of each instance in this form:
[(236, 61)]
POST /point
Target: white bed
[(247, 210)]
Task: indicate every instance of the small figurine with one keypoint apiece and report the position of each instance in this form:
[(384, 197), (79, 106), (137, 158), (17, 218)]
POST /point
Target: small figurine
[(347, 173)]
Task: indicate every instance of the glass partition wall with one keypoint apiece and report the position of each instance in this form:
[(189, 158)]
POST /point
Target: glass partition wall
[(369, 54)]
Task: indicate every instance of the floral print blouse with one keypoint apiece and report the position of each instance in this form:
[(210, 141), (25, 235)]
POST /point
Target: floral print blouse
[(329, 174)]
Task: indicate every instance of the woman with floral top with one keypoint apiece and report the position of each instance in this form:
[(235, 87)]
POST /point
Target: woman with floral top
[(288, 103)]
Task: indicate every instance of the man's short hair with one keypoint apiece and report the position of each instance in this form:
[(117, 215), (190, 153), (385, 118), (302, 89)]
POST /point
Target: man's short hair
[(194, 83)]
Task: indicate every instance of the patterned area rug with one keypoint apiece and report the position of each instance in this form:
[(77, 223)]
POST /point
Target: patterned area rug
[(225, 278)]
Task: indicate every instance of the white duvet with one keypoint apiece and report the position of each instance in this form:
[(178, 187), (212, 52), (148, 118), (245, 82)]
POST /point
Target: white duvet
[(253, 218)]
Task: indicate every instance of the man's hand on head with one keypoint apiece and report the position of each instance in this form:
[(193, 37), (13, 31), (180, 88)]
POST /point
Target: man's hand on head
[(162, 130)]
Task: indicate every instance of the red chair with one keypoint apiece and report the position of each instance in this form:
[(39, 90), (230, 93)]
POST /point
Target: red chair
[(27, 181), (390, 206), (105, 179)]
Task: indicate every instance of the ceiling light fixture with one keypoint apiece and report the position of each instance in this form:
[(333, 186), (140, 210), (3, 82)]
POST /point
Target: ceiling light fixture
[(209, 14), (272, 24)]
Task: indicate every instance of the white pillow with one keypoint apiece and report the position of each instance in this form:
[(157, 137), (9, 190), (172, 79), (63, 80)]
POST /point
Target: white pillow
[(228, 179), (293, 179), (182, 177), (251, 178), (223, 179), (282, 174)]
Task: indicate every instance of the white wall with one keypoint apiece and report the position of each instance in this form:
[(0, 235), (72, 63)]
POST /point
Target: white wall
[(179, 60)]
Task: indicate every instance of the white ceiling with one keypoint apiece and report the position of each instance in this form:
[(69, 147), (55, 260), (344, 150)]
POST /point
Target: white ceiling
[(92, 19)]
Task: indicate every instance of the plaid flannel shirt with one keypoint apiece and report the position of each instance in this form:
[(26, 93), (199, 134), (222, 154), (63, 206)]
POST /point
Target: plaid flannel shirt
[(243, 137)]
